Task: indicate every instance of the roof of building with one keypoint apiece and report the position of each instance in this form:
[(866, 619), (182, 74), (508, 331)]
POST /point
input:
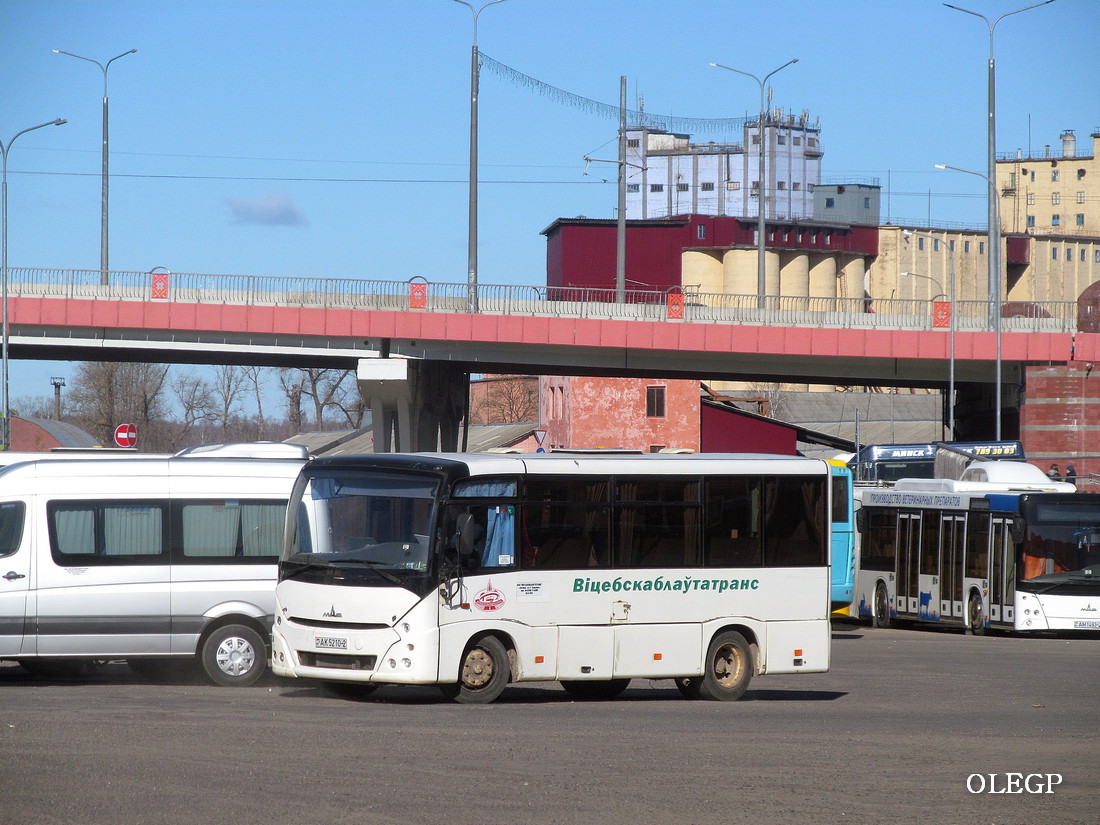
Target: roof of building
[(67, 435)]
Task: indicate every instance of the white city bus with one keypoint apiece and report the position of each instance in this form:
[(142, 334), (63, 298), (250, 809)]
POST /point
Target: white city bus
[(147, 559), (1002, 547), (473, 571)]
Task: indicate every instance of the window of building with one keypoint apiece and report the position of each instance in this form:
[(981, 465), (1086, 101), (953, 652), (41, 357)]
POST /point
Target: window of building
[(1096, 257), (866, 203), (781, 185), (1054, 253), (1030, 199), (782, 140), (812, 142), (655, 402), (1079, 219), (633, 187), (756, 140), (951, 245), (701, 232), (656, 187), (1053, 175), (733, 185), (1080, 197), (966, 247), (1032, 175), (682, 187), (755, 186), (1031, 220), (796, 185), (981, 247), (810, 187), (936, 245), (707, 186), (798, 141), (1082, 256), (1055, 220), (656, 448), (1055, 197), (830, 203), (633, 143), (920, 244)]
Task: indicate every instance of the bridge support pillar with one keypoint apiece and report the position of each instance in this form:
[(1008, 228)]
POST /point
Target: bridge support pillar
[(416, 406)]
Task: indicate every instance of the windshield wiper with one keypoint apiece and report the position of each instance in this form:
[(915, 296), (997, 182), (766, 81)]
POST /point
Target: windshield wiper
[(374, 565)]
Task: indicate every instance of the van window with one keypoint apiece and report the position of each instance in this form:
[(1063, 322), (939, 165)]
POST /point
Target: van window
[(232, 530), (94, 533), (11, 526)]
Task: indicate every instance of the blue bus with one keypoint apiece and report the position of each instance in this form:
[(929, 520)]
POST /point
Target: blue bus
[(842, 540)]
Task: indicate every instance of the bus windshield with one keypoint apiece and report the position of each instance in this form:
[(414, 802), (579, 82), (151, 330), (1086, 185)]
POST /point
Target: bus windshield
[(378, 520), (1063, 542)]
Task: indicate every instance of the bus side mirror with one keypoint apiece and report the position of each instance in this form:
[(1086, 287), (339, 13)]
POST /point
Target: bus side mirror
[(1017, 531), (469, 534), (861, 520)]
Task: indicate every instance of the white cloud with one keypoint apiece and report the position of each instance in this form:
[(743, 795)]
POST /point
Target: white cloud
[(275, 209)]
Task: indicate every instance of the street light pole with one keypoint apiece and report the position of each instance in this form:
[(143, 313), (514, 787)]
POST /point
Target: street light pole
[(951, 331), (103, 264), (993, 206), (995, 297), (761, 200), (471, 294), (5, 425)]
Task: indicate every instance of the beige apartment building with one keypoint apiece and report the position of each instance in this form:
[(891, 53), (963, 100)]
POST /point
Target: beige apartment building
[(1052, 193)]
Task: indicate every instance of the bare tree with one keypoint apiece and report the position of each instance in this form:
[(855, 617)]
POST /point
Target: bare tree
[(194, 398), (226, 390), (103, 395), (509, 399), (253, 376)]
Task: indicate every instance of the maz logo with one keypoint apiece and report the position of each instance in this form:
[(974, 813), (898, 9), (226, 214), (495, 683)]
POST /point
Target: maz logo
[(1088, 608), (332, 614)]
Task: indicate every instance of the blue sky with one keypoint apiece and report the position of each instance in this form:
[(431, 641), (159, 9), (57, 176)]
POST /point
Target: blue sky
[(275, 137)]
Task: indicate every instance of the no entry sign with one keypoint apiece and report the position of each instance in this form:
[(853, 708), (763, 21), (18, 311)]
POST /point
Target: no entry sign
[(126, 435)]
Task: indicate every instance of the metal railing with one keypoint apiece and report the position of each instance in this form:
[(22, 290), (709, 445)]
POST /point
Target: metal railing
[(419, 295)]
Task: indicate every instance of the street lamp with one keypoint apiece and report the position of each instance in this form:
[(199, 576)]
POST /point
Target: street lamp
[(471, 296), (761, 280), (995, 297), (5, 425), (103, 267), (951, 331)]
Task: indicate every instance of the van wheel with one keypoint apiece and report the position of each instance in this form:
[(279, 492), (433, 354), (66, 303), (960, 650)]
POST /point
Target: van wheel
[(234, 656), (586, 690), (880, 607), (728, 668), (975, 616), (484, 674)]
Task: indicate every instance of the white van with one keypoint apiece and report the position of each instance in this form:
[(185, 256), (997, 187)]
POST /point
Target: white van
[(146, 560)]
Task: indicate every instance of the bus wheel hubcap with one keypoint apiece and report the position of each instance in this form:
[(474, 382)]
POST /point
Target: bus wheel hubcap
[(728, 666), (478, 669)]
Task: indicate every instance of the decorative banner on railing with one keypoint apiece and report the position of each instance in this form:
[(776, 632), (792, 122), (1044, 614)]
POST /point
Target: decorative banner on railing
[(675, 306), (160, 283), (418, 296), (941, 314)]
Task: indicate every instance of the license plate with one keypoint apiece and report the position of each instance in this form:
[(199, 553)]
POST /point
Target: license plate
[(1086, 624), (330, 643)]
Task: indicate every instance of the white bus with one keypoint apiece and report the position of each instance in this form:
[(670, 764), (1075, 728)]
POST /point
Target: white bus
[(473, 571), (144, 559), (1003, 547)]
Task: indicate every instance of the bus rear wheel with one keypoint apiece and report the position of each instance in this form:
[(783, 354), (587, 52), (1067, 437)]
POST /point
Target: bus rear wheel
[(728, 668), (975, 616), (594, 690), (880, 607), (484, 673)]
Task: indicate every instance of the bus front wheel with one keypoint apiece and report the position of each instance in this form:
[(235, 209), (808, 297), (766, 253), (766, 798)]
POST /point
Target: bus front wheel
[(483, 675), (728, 668), (975, 616), (880, 608)]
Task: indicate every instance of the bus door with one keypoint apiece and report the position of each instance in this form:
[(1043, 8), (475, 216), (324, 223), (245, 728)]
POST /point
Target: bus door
[(951, 540), (909, 534), (1002, 575), (929, 569)]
